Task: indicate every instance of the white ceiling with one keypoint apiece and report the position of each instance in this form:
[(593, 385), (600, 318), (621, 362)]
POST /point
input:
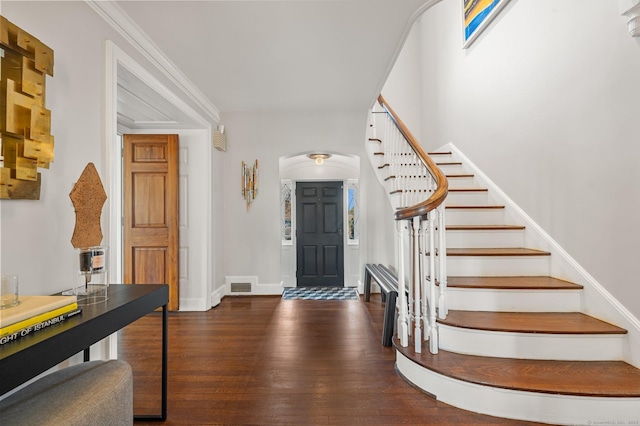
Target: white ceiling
[(276, 55)]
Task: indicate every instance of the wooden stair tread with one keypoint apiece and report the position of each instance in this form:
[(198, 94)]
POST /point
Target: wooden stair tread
[(584, 378), (474, 207), (490, 251), (449, 163), (468, 190), (439, 153), (485, 227), (459, 175), (512, 283), (531, 322)]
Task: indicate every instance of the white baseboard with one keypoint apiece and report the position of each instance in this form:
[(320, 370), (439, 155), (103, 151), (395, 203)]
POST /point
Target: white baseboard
[(194, 304), (217, 295), (268, 289)]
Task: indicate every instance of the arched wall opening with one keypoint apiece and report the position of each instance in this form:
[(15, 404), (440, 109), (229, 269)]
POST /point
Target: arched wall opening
[(300, 167)]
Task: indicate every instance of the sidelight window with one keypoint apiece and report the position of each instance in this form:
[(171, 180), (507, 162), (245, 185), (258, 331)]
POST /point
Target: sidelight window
[(286, 187), (353, 211)]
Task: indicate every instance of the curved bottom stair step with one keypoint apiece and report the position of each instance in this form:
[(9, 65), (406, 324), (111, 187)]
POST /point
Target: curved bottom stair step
[(610, 379)]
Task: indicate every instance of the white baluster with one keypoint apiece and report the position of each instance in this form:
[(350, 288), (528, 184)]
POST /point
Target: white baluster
[(443, 310), (409, 271), (416, 285), (433, 343), (424, 237)]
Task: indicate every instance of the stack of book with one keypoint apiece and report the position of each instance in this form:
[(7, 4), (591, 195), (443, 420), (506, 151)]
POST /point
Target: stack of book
[(35, 313)]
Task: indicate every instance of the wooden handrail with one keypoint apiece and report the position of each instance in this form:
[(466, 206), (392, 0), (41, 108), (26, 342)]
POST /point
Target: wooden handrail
[(442, 185)]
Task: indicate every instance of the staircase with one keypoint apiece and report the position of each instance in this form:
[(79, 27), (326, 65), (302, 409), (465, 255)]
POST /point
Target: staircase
[(514, 342)]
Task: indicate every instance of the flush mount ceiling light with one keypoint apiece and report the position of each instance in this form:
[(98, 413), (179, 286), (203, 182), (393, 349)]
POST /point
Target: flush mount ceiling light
[(319, 158)]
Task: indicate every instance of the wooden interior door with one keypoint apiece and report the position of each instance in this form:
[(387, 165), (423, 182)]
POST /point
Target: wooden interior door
[(150, 204), (319, 247)]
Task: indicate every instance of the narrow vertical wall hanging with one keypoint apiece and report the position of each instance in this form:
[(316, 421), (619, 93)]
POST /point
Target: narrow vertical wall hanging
[(249, 182), (25, 125)]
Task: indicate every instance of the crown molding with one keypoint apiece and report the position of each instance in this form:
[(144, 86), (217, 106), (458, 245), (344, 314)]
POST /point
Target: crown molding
[(631, 10), (127, 28)]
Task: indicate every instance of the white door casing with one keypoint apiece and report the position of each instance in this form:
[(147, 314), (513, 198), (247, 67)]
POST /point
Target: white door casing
[(195, 181)]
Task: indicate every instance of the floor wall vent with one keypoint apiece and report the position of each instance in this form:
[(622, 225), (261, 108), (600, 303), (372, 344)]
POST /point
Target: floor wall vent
[(241, 285), (240, 288)]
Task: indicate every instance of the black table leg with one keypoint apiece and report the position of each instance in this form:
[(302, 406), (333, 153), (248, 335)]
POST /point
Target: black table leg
[(165, 349), (165, 363)]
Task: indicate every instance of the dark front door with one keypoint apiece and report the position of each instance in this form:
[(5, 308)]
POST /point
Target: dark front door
[(320, 258)]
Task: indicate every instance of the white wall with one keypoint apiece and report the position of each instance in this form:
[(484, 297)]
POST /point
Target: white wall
[(35, 235), (545, 103), (253, 236), (402, 90)]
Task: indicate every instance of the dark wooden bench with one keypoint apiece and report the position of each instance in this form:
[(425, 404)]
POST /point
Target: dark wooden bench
[(388, 284)]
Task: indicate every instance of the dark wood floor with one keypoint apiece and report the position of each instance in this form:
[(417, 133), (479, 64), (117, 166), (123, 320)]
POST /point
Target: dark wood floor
[(264, 361)]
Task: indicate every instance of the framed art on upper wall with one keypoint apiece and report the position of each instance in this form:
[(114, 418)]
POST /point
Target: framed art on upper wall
[(477, 14)]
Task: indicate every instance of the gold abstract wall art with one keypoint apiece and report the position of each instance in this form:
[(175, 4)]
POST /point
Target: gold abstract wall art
[(26, 143), (249, 182)]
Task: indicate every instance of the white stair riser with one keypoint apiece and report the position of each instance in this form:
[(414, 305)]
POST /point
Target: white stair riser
[(452, 169), (592, 347), (444, 158), (466, 266), (490, 300), (474, 216), (530, 406), (485, 238), (480, 198), (462, 182), (408, 182)]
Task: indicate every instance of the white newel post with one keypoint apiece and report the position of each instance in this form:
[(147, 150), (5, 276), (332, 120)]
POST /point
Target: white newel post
[(403, 323)]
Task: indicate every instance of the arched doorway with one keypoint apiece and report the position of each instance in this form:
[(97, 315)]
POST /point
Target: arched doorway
[(300, 168)]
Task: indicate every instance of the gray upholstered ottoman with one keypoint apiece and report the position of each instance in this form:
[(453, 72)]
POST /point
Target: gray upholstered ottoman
[(93, 393)]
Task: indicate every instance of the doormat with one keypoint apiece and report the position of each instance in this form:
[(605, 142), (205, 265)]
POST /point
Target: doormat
[(320, 293)]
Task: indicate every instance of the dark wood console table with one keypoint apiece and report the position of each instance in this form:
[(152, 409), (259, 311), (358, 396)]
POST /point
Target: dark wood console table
[(34, 354)]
